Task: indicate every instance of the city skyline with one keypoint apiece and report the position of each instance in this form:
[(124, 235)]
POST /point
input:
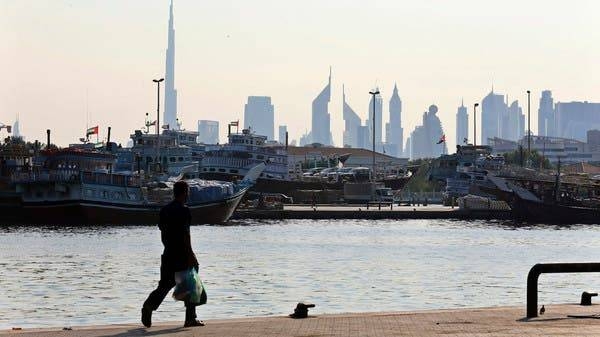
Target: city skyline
[(55, 59)]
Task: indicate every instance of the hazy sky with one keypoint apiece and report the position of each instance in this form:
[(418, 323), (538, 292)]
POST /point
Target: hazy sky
[(63, 58)]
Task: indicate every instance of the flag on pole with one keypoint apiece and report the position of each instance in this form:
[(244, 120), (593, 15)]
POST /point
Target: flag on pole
[(92, 131), (442, 139)]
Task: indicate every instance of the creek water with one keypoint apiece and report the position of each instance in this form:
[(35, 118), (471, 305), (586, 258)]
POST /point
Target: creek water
[(71, 276)]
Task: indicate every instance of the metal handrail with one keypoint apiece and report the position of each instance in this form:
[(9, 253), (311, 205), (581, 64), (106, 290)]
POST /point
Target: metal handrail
[(552, 268)]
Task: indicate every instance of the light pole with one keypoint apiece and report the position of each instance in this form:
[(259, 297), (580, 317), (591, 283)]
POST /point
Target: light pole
[(475, 123), (529, 128), (374, 93), (156, 163)]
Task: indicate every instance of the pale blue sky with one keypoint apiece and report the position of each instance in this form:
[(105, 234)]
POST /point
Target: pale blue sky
[(55, 53)]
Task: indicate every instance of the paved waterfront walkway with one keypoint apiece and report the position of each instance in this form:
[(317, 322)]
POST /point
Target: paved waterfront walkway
[(490, 322)]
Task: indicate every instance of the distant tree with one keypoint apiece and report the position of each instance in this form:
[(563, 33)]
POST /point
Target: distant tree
[(420, 179), (519, 157)]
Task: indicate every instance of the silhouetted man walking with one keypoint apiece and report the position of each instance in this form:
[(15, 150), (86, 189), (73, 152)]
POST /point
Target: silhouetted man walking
[(174, 224)]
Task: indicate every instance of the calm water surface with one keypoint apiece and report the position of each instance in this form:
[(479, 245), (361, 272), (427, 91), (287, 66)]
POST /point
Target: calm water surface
[(79, 276)]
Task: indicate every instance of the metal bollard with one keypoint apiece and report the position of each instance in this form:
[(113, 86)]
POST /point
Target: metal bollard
[(552, 268), (586, 298)]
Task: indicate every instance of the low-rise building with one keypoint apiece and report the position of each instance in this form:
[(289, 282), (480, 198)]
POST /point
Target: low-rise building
[(552, 148)]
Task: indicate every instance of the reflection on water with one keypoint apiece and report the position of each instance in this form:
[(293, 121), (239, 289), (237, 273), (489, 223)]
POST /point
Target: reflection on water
[(53, 276)]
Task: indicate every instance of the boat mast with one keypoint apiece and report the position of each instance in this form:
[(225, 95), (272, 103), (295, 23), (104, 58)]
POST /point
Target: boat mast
[(557, 182)]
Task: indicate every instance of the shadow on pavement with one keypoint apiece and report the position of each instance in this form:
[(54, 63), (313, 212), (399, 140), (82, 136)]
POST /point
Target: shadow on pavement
[(145, 332)]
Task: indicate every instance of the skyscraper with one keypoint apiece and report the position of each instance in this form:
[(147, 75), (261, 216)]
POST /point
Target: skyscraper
[(394, 132), (352, 124), (16, 129), (282, 132), (514, 126), (378, 122), (208, 132), (364, 137), (493, 110), (425, 138), (321, 121), (259, 115), (574, 119), (546, 121), (462, 125), (305, 139), (170, 115), (593, 140), (498, 119)]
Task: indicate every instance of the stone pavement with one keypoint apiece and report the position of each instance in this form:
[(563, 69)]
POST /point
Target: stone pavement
[(501, 321)]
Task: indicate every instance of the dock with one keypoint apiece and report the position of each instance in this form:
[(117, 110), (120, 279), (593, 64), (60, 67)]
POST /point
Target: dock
[(490, 322), (373, 212)]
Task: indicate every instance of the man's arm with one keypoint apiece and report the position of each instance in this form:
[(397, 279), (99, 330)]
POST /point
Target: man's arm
[(188, 241), (161, 219)]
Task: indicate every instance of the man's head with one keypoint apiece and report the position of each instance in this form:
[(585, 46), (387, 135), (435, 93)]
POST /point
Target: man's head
[(180, 191)]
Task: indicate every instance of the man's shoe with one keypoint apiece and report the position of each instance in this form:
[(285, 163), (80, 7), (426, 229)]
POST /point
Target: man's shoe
[(193, 323), (146, 317)]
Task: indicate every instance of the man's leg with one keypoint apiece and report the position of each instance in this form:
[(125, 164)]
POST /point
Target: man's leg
[(190, 316), (166, 283), (190, 312)]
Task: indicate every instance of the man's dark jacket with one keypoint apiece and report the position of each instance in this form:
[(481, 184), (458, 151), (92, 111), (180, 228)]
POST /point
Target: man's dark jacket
[(175, 220)]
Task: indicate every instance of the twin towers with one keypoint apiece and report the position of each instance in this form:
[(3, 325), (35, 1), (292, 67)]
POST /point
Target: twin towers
[(357, 135)]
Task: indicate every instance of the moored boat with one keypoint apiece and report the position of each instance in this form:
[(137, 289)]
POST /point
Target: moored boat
[(528, 207), (230, 161), (77, 187)]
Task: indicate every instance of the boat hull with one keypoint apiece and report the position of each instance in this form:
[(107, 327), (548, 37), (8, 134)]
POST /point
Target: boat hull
[(82, 212), (536, 212)]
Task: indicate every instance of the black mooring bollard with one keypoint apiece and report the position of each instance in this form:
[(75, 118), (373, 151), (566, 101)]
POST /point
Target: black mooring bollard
[(586, 298), (301, 310)]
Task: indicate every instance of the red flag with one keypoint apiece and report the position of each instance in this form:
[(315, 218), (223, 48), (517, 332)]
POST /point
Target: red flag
[(442, 139), (92, 131)]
